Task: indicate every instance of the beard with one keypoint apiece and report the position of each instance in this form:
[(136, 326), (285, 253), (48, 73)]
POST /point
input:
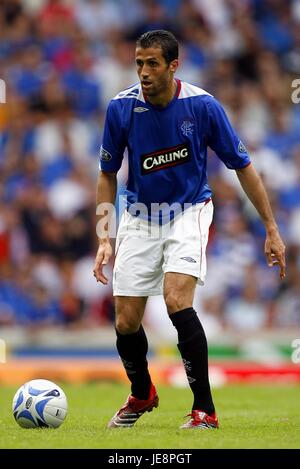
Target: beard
[(156, 88)]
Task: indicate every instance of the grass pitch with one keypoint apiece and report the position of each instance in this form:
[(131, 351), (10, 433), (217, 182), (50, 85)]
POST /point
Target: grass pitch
[(250, 417)]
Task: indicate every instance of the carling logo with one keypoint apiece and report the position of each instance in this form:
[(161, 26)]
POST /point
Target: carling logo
[(165, 158)]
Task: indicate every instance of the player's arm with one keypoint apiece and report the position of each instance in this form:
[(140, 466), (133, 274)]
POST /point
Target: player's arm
[(111, 156), (106, 194), (223, 139), (255, 191)]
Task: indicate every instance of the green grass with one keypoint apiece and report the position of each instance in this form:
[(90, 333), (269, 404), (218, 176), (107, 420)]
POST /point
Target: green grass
[(250, 417)]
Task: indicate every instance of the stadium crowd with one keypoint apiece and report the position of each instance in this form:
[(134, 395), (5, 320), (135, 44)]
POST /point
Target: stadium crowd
[(62, 61)]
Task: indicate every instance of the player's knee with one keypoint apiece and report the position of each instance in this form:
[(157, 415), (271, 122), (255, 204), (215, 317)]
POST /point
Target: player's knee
[(174, 302), (126, 325)]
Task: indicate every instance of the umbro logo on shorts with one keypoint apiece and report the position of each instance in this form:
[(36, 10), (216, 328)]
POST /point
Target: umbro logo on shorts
[(188, 259), (165, 158)]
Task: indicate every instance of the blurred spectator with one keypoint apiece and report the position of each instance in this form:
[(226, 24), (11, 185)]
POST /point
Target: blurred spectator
[(98, 19), (246, 312), (288, 306), (115, 71)]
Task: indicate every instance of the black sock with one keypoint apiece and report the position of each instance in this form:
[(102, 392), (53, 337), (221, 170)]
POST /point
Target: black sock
[(192, 345), (133, 349)]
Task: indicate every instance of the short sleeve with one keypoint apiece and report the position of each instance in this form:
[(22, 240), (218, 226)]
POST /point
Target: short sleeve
[(113, 142), (223, 139)]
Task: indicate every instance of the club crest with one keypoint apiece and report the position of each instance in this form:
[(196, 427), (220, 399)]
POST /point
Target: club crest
[(187, 128)]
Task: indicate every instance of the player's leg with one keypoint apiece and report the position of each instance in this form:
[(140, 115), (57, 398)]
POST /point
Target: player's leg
[(132, 343), (179, 293), (185, 265), (137, 274), (132, 346)]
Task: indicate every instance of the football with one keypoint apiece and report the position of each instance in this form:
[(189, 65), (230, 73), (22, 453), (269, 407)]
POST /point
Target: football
[(40, 403)]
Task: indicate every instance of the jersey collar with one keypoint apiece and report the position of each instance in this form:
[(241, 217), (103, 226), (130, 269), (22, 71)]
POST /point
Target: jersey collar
[(160, 108)]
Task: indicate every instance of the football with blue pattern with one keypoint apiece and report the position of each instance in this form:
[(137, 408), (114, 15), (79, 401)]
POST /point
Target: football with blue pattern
[(40, 403)]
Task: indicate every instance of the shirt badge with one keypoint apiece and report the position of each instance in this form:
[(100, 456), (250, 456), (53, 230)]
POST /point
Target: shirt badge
[(241, 147), (104, 154), (187, 128)]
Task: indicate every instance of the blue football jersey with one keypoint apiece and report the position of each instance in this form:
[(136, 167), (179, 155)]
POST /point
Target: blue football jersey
[(167, 146)]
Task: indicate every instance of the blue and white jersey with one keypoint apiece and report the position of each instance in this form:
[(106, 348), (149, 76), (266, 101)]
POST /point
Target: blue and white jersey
[(167, 146)]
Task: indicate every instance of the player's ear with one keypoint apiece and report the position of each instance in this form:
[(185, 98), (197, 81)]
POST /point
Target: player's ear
[(174, 65)]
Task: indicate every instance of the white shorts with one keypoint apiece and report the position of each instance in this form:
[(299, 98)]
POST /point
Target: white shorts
[(145, 251)]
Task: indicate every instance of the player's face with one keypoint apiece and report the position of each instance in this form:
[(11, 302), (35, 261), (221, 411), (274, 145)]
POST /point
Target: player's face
[(155, 74)]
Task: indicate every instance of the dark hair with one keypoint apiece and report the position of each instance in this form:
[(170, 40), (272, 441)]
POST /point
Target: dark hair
[(160, 38)]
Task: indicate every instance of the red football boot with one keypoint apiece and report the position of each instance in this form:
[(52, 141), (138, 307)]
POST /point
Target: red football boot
[(133, 409), (200, 419)]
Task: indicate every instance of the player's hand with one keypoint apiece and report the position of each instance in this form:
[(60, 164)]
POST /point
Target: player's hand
[(102, 258), (275, 251)]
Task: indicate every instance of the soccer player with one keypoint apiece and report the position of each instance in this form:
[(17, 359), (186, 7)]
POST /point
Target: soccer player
[(166, 125)]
